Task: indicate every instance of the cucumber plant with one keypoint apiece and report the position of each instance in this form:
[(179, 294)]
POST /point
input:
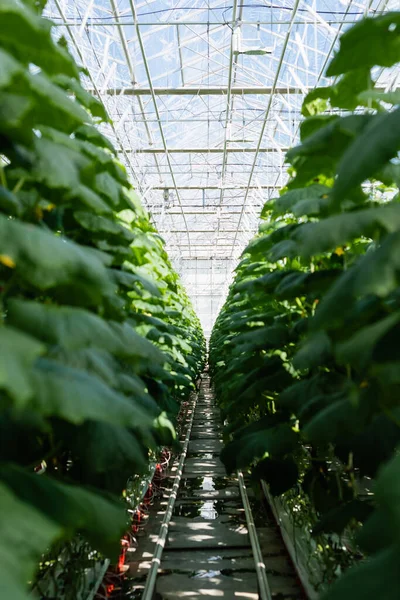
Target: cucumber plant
[(304, 353), (99, 341)]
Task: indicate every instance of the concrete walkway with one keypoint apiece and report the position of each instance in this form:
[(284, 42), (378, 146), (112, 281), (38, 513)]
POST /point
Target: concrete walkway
[(208, 551)]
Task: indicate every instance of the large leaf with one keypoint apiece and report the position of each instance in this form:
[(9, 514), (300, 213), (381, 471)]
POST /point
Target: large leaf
[(93, 360), (338, 518), (378, 577), (53, 107), (332, 139), (295, 198), (336, 231), (74, 509), (45, 260), (25, 534), (280, 474), (29, 38), (376, 273), (261, 339), (340, 419), (370, 151), (75, 328), (17, 356), (84, 97), (76, 396), (10, 68), (103, 226), (9, 203), (106, 455), (372, 41), (130, 281), (60, 167), (359, 349), (387, 491), (376, 95), (274, 441), (346, 93), (71, 328)]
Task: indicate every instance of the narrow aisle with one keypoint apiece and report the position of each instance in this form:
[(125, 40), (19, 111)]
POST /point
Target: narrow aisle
[(208, 551)]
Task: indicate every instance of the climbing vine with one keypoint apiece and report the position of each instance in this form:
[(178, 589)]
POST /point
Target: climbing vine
[(304, 353), (99, 342)]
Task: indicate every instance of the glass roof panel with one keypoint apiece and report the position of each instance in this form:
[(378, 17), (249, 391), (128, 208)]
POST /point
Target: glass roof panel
[(205, 98)]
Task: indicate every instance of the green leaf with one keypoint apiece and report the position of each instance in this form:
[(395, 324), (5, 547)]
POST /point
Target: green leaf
[(92, 134), (337, 519), (84, 97), (120, 253), (84, 195), (374, 445), (359, 349), (280, 474), (18, 354), (313, 124), (28, 37), (315, 351), (335, 231), (108, 187), (378, 577), (132, 385), (130, 281), (105, 455), (276, 441), (45, 260), (332, 139), (371, 42), (133, 344), (377, 96), (377, 533), (341, 418), (261, 339), (16, 117), (346, 93), (10, 68), (58, 166), (104, 226), (92, 360), (369, 152), (387, 492), (9, 203), (75, 509), (316, 101), (25, 534), (306, 284), (76, 396), (375, 273), (75, 328), (291, 199), (53, 107)]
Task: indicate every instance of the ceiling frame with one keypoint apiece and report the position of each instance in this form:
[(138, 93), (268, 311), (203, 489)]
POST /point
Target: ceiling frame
[(173, 85)]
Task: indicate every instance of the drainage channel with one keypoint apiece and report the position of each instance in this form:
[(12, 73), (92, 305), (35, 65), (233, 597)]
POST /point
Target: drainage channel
[(207, 535)]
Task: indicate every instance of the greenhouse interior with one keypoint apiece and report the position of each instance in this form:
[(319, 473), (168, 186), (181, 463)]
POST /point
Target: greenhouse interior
[(200, 299)]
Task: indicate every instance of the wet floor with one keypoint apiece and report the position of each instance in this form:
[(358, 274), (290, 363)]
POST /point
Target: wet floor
[(208, 551)]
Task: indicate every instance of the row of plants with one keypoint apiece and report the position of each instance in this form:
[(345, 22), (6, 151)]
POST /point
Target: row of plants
[(99, 341), (304, 354)]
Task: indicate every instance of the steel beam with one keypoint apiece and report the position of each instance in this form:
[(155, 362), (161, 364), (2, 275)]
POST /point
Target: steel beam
[(196, 212), (198, 150), (132, 75), (218, 187), (105, 23), (150, 82), (264, 125), (202, 91)]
